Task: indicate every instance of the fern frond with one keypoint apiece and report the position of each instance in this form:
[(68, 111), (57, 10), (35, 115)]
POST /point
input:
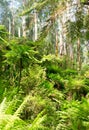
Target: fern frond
[(21, 107), (3, 106), (8, 122), (37, 123), (4, 40)]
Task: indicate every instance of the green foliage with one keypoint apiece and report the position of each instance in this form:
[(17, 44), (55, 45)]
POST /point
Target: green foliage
[(39, 91), (13, 121), (36, 74), (17, 51), (37, 122), (58, 80), (84, 1), (70, 72), (73, 117), (49, 96), (52, 63), (8, 121), (3, 32)]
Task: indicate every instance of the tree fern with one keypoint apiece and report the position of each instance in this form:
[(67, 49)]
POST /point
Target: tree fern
[(7, 121)]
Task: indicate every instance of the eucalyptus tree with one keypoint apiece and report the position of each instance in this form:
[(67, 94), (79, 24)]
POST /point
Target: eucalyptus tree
[(47, 13), (75, 33), (30, 19), (49, 20), (5, 12)]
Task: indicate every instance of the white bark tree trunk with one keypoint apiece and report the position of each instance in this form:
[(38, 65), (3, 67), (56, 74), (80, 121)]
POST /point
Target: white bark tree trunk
[(24, 21), (13, 26), (56, 43), (9, 27), (24, 26), (61, 44), (13, 19), (35, 26)]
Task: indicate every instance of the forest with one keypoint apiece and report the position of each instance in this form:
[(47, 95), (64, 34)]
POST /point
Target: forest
[(44, 64)]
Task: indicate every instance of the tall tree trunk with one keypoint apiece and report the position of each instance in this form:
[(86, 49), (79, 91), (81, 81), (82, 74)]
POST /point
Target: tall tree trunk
[(35, 25), (61, 38), (78, 1), (13, 26), (13, 20), (24, 26), (79, 54), (56, 44), (19, 32), (71, 55), (24, 21), (9, 27), (61, 44)]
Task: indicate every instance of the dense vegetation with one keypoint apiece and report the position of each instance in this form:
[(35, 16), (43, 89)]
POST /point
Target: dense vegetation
[(44, 69)]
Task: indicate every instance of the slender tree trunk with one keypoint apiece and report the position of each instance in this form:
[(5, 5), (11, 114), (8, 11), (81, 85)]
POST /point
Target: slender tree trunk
[(65, 49), (24, 21), (56, 35), (79, 54), (19, 32), (78, 1), (13, 19), (13, 26), (35, 26), (61, 44), (9, 27), (61, 38), (24, 26), (71, 55), (56, 44)]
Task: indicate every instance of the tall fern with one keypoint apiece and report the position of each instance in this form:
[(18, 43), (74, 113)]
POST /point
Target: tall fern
[(14, 122)]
